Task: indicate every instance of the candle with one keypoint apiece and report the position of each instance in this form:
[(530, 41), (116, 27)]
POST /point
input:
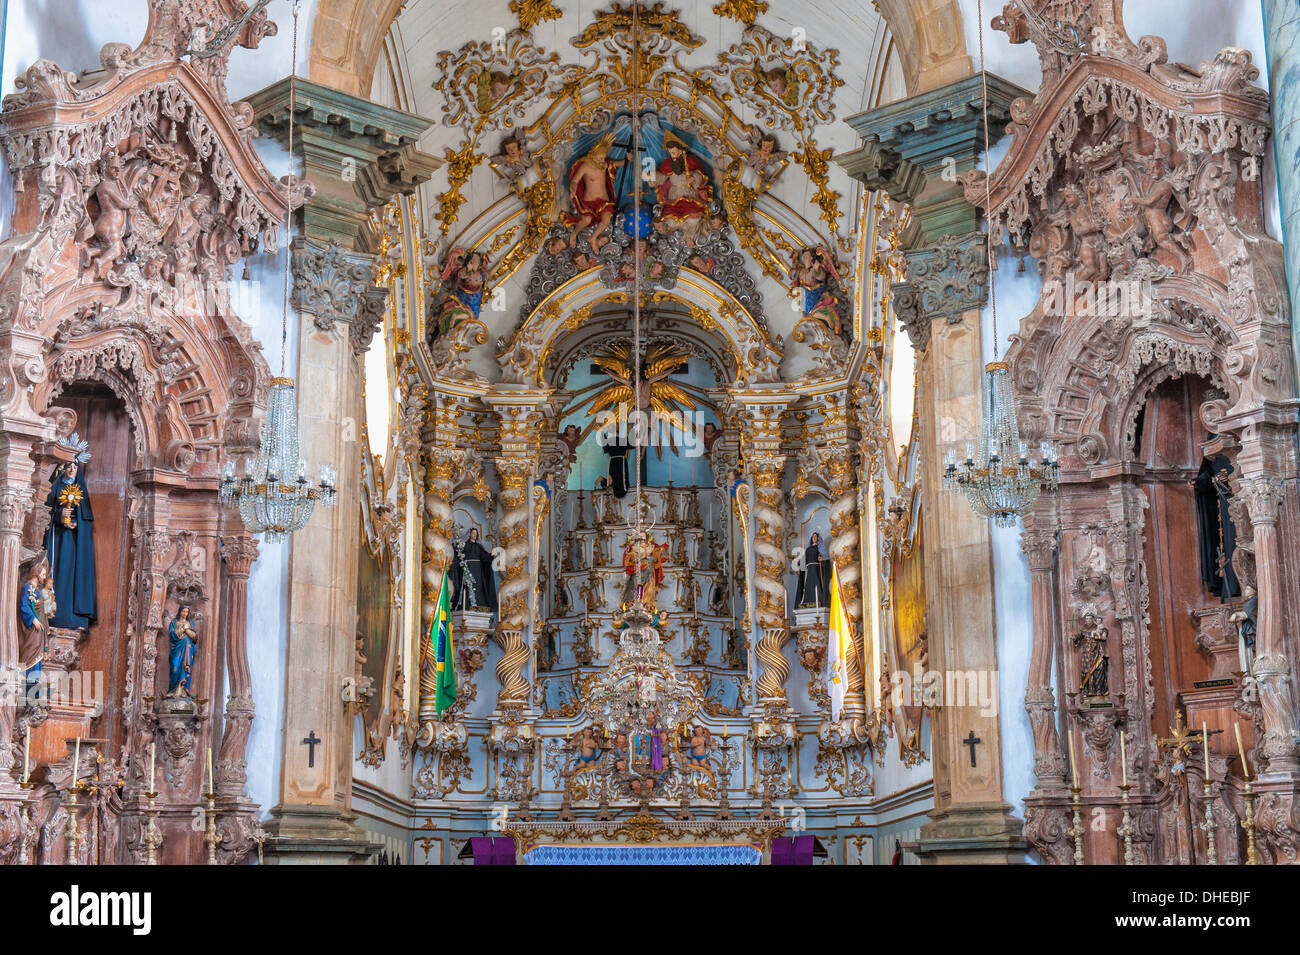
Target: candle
[(1123, 759), (76, 762), (1205, 739), (211, 785), (1245, 766), (152, 760), (27, 754), (1074, 770)]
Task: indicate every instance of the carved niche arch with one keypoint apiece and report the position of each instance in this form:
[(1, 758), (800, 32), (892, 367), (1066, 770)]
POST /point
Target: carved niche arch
[(526, 354)]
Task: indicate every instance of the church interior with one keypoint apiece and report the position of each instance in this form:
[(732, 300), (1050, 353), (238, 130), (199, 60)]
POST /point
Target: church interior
[(669, 432)]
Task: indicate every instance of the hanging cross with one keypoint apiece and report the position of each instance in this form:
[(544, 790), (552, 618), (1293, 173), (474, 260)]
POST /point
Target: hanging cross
[(311, 741), (970, 741)]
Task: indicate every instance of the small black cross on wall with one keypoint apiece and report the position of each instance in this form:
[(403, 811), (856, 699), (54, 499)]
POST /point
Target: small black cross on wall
[(971, 741), (311, 741)]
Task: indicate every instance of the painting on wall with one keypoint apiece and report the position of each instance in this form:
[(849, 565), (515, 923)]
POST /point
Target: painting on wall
[(374, 640), (910, 653)]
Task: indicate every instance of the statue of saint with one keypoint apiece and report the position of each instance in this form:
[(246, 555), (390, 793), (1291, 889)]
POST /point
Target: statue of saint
[(643, 562), (1094, 662), (1247, 621), (812, 273), (474, 585), (815, 577), (35, 605), (591, 190), (70, 545), (683, 190), (184, 649)]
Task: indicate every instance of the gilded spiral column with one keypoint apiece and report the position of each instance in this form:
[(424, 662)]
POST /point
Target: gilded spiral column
[(515, 469), (765, 466), (441, 465), (848, 568)]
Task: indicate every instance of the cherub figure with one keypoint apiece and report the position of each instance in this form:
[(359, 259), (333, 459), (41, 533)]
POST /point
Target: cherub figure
[(514, 160), (765, 158)]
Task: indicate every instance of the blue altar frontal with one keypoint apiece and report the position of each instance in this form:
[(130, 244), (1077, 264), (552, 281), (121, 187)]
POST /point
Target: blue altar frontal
[(692, 854)]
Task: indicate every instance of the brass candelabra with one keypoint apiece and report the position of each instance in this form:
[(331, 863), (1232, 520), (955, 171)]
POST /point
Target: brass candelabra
[(24, 821), (1211, 851), (71, 832), (1252, 855)]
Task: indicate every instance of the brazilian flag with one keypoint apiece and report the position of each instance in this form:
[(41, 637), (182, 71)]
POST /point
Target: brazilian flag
[(440, 634)]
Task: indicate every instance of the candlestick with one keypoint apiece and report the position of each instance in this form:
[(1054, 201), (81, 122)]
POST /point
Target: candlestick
[(153, 754), (1205, 741), (24, 821), (71, 831), (1126, 825), (1123, 760), (1245, 766), (1252, 857), (152, 834), (27, 754), (1076, 827), (76, 763), (212, 787), (1074, 769), (211, 836)]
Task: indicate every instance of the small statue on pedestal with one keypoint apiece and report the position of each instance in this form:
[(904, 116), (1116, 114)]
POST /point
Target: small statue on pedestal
[(184, 648), (1094, 662), (813, 567), (472, 579), (69, 544), (1246, 622)]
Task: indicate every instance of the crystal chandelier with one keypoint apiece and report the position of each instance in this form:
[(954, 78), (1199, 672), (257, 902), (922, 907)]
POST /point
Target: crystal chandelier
[(274, 497), (998, 476), (641, 690)]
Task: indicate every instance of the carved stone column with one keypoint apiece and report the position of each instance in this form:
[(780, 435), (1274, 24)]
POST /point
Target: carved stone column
[(20, 430), (941, 133), (1040, 548), (351, 150), (238, 553), (1272, 667)]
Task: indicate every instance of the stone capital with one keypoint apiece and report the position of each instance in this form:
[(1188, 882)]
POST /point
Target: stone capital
[(1040, 548), (239, 553), (1262, 497), (334, 285)]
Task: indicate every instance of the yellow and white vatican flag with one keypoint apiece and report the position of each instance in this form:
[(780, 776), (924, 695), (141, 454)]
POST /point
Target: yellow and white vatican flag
[(841, 644)]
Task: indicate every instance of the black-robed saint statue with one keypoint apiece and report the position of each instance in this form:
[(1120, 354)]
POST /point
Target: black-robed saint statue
[(473, 583), (1217, 537), (815, 579), (71, 547)]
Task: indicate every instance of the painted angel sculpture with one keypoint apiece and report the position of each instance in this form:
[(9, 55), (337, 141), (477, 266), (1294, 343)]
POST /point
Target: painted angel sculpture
[(464, 279), (812, 272)]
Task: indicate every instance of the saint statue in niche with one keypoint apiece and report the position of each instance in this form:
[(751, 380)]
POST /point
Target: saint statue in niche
[(69, 542), (1245, 619), (814, 575), (1094, 662), (473, 583), (184, 649), (35, 607)]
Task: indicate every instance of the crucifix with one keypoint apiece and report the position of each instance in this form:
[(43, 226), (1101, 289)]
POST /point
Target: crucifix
[(311, 741), (970, 741)]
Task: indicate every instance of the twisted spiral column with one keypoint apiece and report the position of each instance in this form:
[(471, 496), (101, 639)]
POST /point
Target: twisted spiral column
[(844, 553), (440, 469), (514, 472), (769, 577)]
